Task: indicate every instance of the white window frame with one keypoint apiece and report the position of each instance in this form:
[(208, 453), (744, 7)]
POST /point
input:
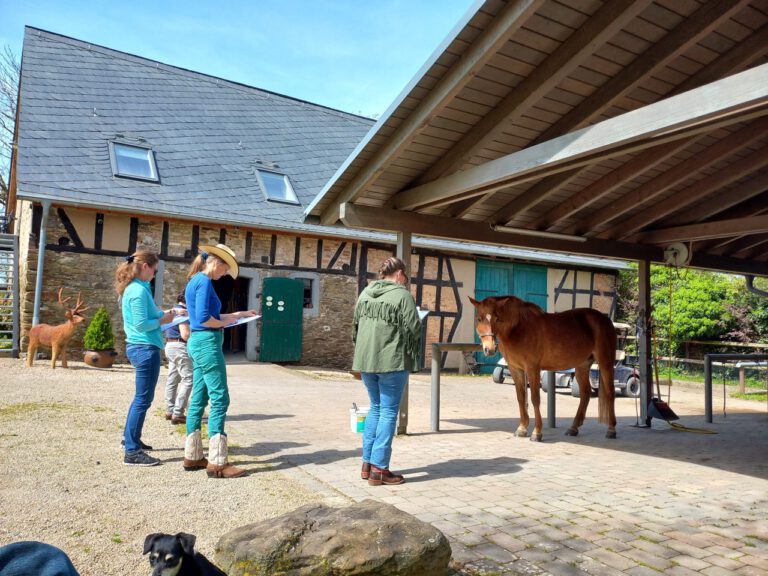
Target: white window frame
[(288, 187), (315, 310), (150, 159)]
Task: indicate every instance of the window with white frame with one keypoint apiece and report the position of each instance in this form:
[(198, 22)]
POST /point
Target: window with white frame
[(129, 161), (276, 187)]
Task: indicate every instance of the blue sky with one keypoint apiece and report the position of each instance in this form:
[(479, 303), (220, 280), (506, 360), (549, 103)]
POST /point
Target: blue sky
[(354, 55)]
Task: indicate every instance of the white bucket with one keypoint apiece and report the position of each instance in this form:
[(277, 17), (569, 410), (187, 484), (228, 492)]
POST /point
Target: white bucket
[(357, 419)]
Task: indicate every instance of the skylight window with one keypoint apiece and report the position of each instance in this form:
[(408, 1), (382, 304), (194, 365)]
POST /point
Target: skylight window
[(276, 187), (133, 162)]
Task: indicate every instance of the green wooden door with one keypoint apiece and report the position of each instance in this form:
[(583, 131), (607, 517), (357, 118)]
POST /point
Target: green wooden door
[(282, 309), (525, 281)]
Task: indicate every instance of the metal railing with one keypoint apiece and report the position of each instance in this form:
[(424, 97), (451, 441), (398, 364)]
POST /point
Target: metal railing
[(9, 295)]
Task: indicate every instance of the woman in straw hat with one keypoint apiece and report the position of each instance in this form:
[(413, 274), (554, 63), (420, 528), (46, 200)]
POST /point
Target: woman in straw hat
[(210, 372)]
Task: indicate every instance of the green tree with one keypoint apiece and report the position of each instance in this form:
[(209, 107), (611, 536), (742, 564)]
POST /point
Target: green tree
[(704, 304), (99, 335)]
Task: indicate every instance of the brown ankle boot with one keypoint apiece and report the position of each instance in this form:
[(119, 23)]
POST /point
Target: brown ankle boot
[(381, 476), (191, 465), (226, 471), (365, 471)]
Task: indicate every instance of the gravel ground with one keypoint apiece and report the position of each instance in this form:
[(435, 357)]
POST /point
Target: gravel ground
[(63, 481)]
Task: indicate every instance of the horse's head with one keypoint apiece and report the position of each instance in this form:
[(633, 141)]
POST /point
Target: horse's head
[(486, 318)]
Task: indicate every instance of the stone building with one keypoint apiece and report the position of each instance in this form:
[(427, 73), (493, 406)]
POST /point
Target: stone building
[(117, 152)]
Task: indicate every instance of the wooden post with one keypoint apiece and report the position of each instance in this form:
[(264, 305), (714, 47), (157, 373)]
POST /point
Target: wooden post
[(742, 387), (644, 338)]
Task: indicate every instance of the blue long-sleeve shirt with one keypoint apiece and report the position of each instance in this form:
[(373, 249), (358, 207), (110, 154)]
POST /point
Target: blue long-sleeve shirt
[(202, 301), (141, 317)]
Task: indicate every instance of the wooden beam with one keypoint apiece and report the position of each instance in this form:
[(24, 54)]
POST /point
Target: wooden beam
[(577, 48), (737, 244), (533, 196), (732, 197), (376, 218), (720, 102), (690, 195), (707, 230), (748, 50), (503, 26), (671, 177), (684, 35), (611, 181)]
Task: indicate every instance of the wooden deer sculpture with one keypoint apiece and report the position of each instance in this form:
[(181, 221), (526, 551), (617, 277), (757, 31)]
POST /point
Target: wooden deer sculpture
[(57, 337)]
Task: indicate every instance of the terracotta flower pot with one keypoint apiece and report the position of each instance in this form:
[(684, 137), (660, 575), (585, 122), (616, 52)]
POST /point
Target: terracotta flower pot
[(99, 358)]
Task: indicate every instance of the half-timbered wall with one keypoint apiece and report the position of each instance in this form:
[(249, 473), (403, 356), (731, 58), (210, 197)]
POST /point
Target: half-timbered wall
[(85, 247)]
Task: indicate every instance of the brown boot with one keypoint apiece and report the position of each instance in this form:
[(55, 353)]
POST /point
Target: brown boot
[(193, 452), (381, 476), (168, 415), (226, 471), (178, 420), (192, 465), (365, 471), (219, 466)]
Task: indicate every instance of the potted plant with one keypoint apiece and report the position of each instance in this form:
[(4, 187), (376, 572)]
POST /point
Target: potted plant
[(99, 341)]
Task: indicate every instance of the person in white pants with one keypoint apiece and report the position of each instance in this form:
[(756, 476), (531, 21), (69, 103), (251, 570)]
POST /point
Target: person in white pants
[(179, 384)]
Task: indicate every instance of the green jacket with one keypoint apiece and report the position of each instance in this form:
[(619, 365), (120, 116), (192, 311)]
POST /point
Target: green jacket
[(386, 329)]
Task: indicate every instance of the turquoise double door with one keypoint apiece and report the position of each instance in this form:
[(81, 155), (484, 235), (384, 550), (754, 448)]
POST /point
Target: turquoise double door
[(526, 281)]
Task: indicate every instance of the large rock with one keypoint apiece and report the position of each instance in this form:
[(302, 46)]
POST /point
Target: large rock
[(367, 538)]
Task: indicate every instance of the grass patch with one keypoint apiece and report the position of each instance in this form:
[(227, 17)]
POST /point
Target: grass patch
[(756, 397), (117, 539), (27, 408)]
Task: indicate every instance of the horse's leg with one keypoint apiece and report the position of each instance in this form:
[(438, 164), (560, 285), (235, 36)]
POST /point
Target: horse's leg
[(606, 356), (585, 391), (518, 376), (534, 379), (31, 351)]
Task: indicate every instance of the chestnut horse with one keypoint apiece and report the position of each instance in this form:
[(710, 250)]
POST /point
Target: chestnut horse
[(532, 340)]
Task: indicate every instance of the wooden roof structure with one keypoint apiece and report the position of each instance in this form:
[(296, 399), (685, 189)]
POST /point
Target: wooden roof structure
[(599, 128)]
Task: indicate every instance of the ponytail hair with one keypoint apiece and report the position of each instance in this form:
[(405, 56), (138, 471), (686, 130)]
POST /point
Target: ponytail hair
[(200, 261), (128, 270), (390, 266)]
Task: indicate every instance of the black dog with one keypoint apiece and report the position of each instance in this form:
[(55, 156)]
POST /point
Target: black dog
[(171, 555)]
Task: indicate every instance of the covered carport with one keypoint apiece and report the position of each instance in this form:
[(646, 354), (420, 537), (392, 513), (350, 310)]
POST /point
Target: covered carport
[(630, 129)]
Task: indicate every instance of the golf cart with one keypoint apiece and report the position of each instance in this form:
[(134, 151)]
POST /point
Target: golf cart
[(625, 378)]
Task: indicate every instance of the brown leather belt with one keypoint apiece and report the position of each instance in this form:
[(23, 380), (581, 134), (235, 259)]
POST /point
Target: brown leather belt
[(174, 340)]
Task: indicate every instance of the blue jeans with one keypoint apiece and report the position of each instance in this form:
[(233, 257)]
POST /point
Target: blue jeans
[(146, 360), (24, 558), (384, 391)]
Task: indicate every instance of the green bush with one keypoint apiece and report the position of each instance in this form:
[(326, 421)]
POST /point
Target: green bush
[(99, 335)]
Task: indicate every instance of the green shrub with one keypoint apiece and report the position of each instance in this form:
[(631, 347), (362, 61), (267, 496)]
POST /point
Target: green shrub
[(99, 335)]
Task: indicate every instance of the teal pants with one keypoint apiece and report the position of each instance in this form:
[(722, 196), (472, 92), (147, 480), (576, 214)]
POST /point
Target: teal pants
[(209, 381)]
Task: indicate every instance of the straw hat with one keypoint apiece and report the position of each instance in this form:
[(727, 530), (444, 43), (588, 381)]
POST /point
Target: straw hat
[(226, 255)]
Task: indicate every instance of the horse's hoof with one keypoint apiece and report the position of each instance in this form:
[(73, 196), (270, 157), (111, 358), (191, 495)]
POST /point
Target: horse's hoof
[(572, 432), (521, 433), (535, 437), (611, 434)]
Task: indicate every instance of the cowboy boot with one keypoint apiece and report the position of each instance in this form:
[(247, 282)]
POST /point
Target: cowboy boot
[(381, 476), (219, 467), (193, 452)]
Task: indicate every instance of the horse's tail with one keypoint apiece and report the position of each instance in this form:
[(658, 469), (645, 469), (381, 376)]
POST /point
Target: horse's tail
[(605, 351)]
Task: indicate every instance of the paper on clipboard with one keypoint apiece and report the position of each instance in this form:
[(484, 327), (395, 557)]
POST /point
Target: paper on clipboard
[(243, 321), (175, 322)]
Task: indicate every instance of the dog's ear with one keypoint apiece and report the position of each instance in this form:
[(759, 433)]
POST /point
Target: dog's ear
[(149, 542), (187, 542)]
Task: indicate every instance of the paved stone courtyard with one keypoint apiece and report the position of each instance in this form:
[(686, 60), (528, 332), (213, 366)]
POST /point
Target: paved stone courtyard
[(652, 501)]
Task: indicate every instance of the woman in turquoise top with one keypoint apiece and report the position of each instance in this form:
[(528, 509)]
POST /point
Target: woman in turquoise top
[(144, 340), (209, 379)]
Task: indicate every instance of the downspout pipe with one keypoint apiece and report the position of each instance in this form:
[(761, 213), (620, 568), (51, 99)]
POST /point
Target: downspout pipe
[(41, 243)]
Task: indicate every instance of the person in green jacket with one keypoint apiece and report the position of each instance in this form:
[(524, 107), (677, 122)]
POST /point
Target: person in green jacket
[(387, 333)]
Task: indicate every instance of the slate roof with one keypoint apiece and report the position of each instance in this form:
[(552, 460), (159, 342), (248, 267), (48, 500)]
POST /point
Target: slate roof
[(208, 136)]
